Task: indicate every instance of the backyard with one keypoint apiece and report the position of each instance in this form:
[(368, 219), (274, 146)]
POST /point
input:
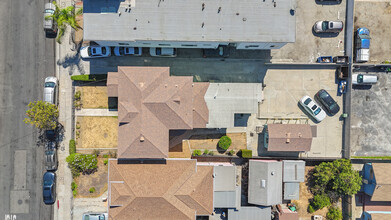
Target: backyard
[(96, 132)]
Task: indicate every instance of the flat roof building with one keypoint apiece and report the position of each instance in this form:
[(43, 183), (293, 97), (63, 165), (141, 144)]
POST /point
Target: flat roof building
[(250, 24)]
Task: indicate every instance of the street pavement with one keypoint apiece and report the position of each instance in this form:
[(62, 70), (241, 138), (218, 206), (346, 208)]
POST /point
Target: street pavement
[(26, 58)]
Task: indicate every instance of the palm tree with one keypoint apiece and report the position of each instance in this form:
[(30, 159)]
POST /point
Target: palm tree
[(63, 17)]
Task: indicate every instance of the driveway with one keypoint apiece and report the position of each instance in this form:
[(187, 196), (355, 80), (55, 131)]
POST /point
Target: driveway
[(284, 88), (309, 46), (371, 119)]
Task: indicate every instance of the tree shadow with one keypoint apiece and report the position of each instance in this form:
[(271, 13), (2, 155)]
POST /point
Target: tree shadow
[(72, 62)]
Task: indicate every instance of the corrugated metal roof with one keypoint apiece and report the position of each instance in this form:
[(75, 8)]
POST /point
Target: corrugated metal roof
[(250, 213), (226, 193), (291, 191), (293, 171)]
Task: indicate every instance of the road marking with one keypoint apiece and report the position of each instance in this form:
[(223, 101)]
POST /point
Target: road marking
[(20, 170), (10, 217)]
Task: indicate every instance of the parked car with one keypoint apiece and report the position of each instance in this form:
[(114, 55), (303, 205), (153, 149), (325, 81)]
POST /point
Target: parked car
[(51, 161), (312, 108), (95, 216), (49, 25), (95, 52), (51, 134), (221, 51), (162, 52), (50, 90), (328, 26), (327, 102), (121, 51), (49, 188), (364, 79), (362, 43)]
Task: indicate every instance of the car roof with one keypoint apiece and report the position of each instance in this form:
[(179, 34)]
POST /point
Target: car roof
[(48, 94), (49, 176)]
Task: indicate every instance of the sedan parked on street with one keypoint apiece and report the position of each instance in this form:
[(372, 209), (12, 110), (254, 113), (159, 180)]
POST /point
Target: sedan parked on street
[(328, 103), (312, 108), (121, 51), (49, 188), (95, 52), (51, 161), (95, 216), (328, 26), (50, 90), (162, 52)]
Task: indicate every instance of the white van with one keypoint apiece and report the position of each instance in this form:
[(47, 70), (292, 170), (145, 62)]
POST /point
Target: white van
[(364, 79)]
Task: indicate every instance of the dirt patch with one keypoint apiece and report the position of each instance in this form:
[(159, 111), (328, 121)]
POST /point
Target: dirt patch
[(97, 132), (94, 97), (98, 180)]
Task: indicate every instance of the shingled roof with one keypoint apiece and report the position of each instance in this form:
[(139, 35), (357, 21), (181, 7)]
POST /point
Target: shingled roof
[(382, 190), (176, 189), (150, 103), (289, 137)]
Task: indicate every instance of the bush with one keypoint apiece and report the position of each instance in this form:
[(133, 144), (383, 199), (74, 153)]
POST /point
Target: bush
[(231, 153), (206, 152), (77, 95), (92, 190), (106, 156), (73, 186), (72, 146), (247, 153), (197, 153), (225, 142), (211, 153), (320, 201), (74, 193), (90, 78), (334, 213), (84, 163), (105, 162), (311, 209)]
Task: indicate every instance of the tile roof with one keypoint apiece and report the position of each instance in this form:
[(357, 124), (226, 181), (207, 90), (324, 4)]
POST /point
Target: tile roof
[(150, 103), (176, 189), (289, 137), (382, 190)]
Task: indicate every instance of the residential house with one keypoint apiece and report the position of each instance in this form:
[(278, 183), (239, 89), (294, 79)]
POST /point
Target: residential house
[(377, 181), (376, 216), (251, 24)]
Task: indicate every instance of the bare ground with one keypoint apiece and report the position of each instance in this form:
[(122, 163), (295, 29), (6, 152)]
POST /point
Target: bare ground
[(94, 97), (97, 180), (97, 132)]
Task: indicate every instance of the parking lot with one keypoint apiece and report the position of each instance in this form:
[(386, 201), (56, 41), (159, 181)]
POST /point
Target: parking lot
[(375, 16), (371, 119), (284, 88), (309, 46)]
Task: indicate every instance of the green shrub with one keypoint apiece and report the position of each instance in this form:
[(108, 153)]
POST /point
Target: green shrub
[(197, 153), (105, 162), (225, 142), (74, 193), (320, 201), (92, 190), (77, 95), (84, 163), (206, 151), (106, 156), (73, 186), (311, 209), (247, 153), (211, 153), (231, 153), (334, 213), (72, 146), (90, 78)]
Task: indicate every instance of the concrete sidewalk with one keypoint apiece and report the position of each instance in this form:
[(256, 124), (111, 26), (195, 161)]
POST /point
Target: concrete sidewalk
[(96, 112)]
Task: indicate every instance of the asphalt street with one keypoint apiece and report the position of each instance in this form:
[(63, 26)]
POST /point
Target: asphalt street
[(26, 58)]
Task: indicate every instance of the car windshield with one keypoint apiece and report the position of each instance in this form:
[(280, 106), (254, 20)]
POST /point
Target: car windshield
[(360, 78), (102, 217), (136, 50), (307, 101), (316, 112), (49, 152), (50, 11), (121, 50), (50, 84), (47, 183), (89, 51), (333, 106), (103, 50), (325, 25), (158, 51)]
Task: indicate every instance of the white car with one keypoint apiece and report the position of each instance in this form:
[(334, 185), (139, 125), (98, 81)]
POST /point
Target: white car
[(50, 90), (313, 108), (95, 216), (364, 79), (162, 52), (120, 51), (95, 52), (328, 26)]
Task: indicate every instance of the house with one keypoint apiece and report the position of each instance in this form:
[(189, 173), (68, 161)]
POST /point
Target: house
[(293, 175), (151, 103), (251, 24), (376, 216), (288, 137), (377, 181)]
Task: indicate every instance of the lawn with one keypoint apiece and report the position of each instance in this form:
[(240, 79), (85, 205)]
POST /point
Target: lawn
[(98, 180), (97, 132)]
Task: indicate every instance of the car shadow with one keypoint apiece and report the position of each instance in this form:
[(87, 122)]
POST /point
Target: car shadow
[(361, 87), (324, 35), (328, 2), (50, 35)]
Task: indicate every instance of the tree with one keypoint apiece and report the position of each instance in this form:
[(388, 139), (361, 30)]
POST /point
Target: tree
[(320, 201), (334, 214), (42, 115), (63, 17), (225, 142)]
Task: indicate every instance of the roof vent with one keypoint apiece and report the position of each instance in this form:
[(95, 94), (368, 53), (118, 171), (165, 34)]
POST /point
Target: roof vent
[(272, 173), (142, 139), (300, 135), (288, 136)]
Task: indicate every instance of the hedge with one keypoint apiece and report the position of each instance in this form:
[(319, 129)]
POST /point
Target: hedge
[(197, 153), (72, 146), (90, 77), (225, 142), (247, 153)]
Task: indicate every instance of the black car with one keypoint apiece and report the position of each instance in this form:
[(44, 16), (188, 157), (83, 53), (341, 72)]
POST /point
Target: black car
[(51, 134), (324, 98), (49, 188)]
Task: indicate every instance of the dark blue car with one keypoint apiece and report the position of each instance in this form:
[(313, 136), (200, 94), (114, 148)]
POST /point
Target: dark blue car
[(49, 188)]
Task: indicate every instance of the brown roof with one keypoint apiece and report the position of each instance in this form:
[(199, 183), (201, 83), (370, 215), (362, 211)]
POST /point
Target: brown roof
[(150, 102), (380, 216), (382, 190), (289, 137), (177, 189)]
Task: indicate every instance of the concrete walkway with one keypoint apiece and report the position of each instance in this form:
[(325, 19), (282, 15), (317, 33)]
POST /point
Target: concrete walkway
[(83, 205), (95, 112)]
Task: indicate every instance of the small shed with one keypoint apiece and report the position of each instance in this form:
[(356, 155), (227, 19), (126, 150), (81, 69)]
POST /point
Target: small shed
[(250, 213), (288, 137)]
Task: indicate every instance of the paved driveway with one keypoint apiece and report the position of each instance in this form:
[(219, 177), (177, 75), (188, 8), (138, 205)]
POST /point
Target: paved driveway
[(371, 119), (284, 88)]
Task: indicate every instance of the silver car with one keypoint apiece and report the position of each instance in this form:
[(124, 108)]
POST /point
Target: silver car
[(312, 108), (50, 90), (162, 52), (95, 216), (49, 25), (328, 26), (51, 161)]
